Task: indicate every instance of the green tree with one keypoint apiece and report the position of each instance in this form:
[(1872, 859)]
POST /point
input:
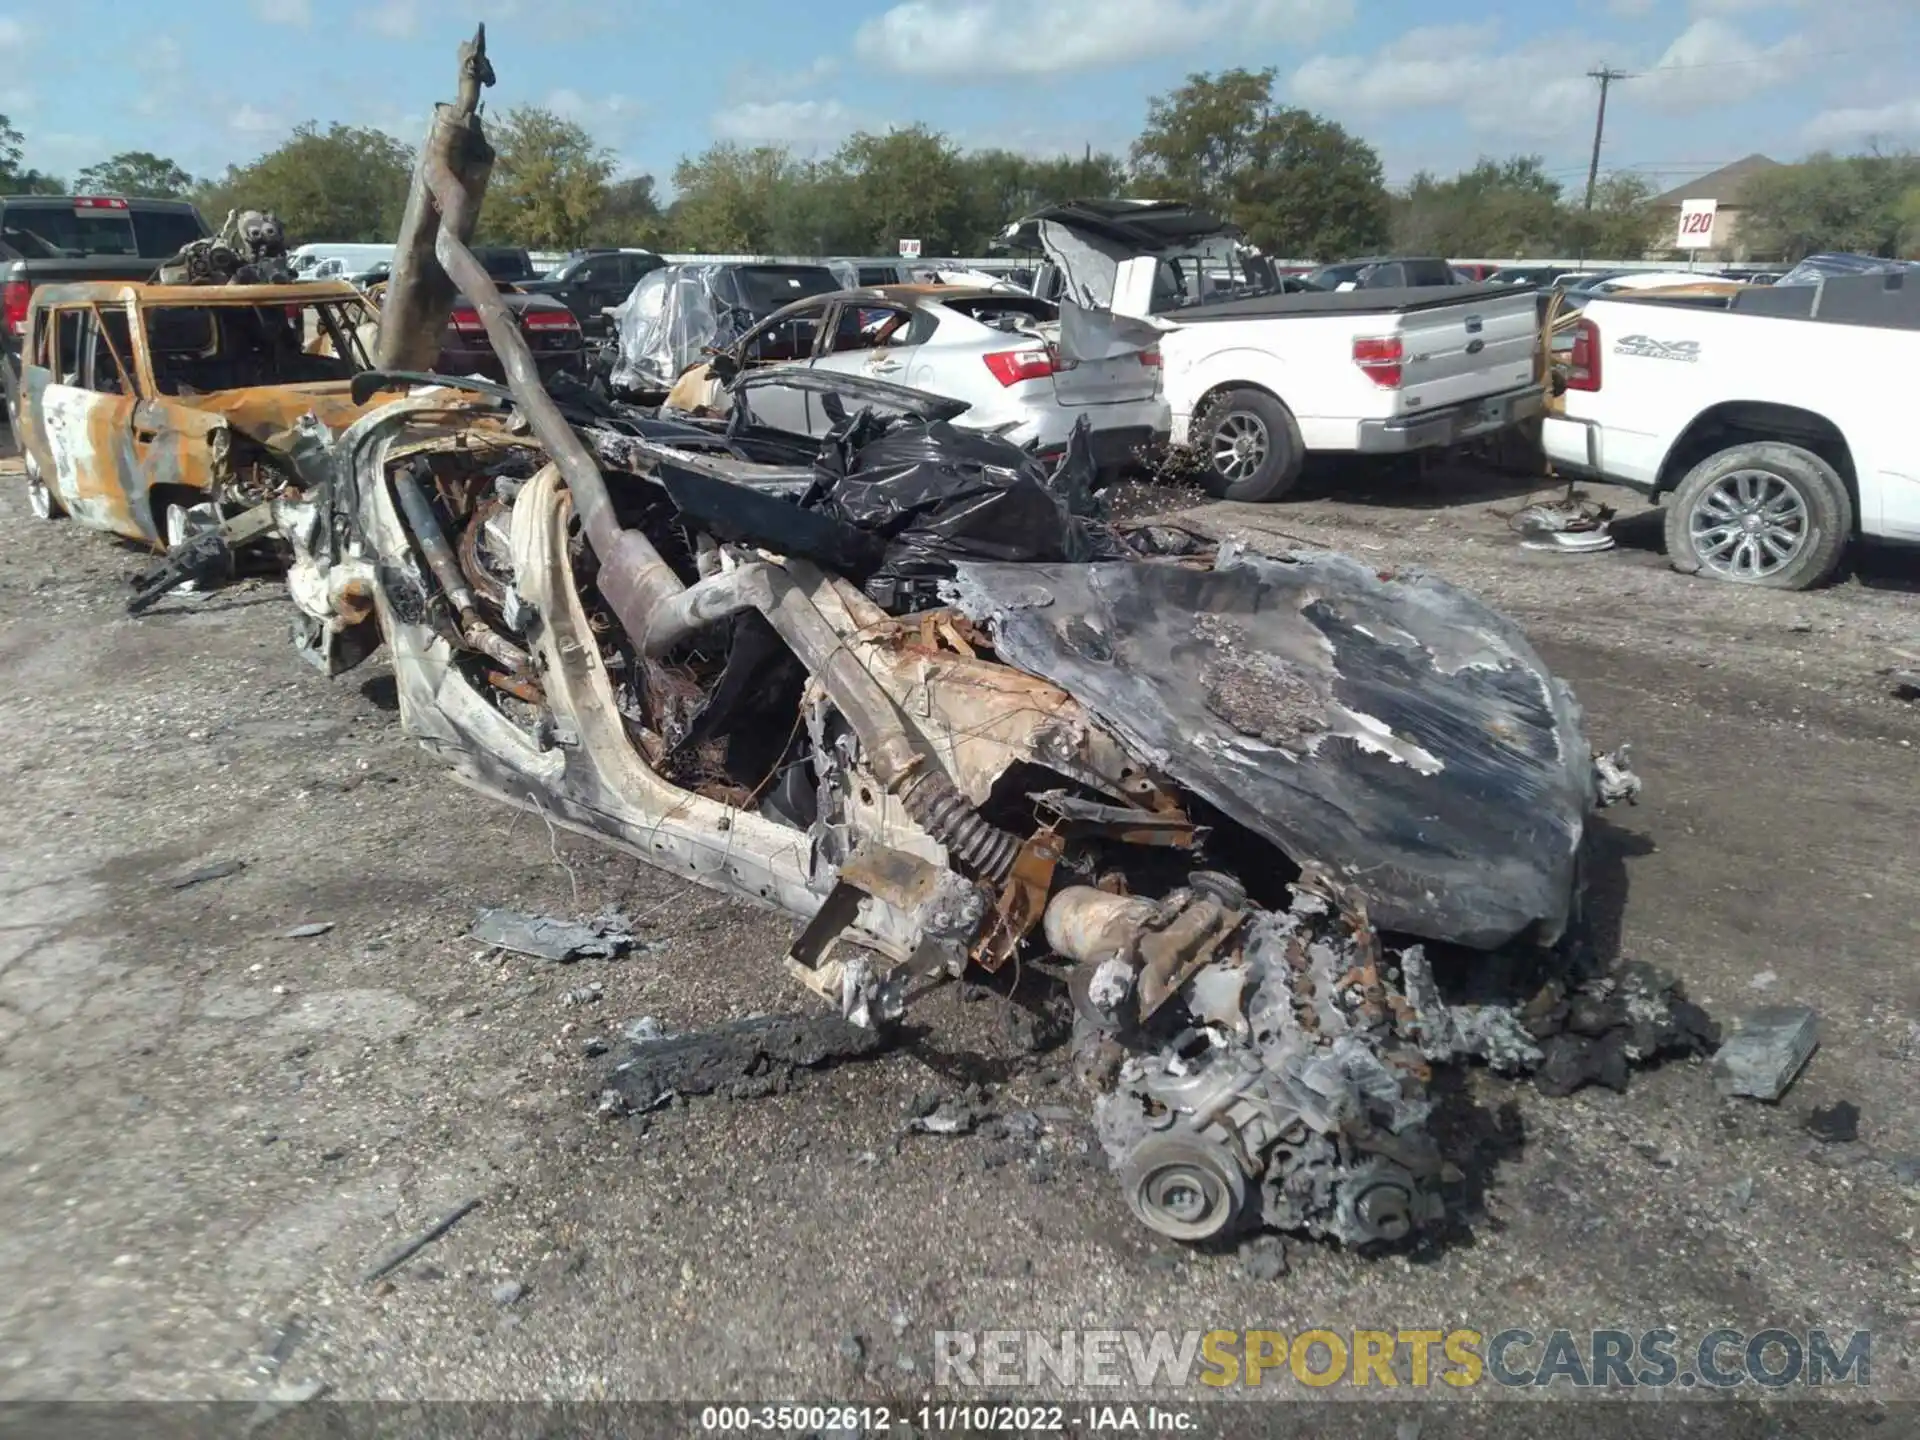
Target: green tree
[(549, 182), (1830, 202), (1909, 217), (135, 172), (1003, 185), (1624, 223), (725, 197), (1298, 185), (629, 214), (1499, 208), (907, 183), (17, 181), (344, 183)]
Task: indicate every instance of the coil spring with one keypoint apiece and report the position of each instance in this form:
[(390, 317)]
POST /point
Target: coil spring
[(979, 847)]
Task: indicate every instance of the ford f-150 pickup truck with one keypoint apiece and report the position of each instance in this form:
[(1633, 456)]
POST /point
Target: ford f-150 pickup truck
[(1772, 428), (1257, 381)]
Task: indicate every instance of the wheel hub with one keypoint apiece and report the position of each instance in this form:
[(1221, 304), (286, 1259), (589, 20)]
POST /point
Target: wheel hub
[(1749, 526)]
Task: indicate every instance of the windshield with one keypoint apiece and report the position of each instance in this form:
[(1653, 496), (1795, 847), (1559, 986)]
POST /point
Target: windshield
[(162, 234), (765, 288), (204, 349), (502, 263)]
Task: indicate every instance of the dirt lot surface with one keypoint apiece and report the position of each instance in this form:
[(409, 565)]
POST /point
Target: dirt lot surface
[(211, 1131)]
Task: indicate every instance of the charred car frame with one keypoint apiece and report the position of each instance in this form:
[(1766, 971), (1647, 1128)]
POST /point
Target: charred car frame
[(901, 688)]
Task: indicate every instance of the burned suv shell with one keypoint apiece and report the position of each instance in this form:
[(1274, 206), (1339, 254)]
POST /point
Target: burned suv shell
[(900, 687), (140, 399)]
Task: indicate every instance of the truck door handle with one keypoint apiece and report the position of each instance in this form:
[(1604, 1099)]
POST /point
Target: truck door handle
[(884, 367)]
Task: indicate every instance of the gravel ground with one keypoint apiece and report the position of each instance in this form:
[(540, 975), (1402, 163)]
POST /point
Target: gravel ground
[(211, 1131)]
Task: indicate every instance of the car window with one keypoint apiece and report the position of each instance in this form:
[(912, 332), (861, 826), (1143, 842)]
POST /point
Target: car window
[(66, 353), (602, 271), (162, 234), (765, 288), (865, 327), (1011, 313), (878, 274), (65, 232), (106, 356), (204, 349), (791, 339)]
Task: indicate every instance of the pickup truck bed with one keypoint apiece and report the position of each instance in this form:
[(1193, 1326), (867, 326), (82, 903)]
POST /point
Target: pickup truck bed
[(1399, 301)]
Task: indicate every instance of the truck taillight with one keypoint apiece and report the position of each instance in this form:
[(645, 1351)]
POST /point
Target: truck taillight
[(99, 202), (467, 321), (1010, 367), (14, 298), (1380, 358), (1583, 359), (1151, 358)]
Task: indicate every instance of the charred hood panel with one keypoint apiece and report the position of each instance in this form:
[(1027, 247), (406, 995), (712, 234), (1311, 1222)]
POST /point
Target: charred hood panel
[(1396, 732)]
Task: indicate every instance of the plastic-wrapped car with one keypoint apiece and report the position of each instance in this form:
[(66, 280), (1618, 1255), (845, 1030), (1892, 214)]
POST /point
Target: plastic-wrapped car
[(678, 315)]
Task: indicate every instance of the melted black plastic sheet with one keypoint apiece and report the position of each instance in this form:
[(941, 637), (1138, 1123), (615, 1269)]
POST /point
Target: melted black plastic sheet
[(938, 494), (1398, 733)]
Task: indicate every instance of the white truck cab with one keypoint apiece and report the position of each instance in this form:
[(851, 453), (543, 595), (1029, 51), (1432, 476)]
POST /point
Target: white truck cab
[(1776, 427)]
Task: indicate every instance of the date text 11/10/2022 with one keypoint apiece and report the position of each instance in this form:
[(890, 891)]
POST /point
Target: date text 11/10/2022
[(940, 1419)]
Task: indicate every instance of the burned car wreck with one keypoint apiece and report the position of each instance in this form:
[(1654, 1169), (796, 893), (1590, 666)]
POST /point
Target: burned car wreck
[(902, 687)]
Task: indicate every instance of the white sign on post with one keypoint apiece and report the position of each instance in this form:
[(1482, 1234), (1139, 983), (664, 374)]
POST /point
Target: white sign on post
[(909, 249), (1696, 225)]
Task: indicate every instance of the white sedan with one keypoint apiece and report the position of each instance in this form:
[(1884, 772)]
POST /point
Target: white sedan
[(996, 351)]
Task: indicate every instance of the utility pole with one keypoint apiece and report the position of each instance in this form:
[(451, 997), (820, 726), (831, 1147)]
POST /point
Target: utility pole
[(1606, 77)]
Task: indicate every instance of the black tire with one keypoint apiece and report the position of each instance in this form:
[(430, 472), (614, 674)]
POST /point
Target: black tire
[(1249, 420), (1764, 513)]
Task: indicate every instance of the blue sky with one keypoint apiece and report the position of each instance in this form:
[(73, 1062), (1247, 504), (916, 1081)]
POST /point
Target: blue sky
[(1432, 83)]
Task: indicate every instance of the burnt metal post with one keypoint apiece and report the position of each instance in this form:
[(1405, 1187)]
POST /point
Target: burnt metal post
[(420, 295)]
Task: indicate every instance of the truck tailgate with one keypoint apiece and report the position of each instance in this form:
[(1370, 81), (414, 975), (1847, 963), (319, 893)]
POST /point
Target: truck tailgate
[(1115, 381), (1464, 350)]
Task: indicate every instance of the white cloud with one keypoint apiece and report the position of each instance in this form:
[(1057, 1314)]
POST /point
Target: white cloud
[(572, 105), (788, 122), (976, 40), (248, 120), (284, 12), (395, 19), (1899, 120), (753, 82), (1741, 7), (1536, 91), (13, 35), (1713, 62), (161, 62)]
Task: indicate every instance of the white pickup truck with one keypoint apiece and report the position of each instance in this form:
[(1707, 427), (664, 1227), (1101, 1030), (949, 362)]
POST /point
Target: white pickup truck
[(1773, 425), (1257, 381)]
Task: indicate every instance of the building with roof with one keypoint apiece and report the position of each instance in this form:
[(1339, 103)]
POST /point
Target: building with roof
[(1722, 186)]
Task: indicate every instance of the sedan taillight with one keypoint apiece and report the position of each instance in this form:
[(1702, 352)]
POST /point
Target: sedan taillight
[(550, 320), (1010, 367)]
